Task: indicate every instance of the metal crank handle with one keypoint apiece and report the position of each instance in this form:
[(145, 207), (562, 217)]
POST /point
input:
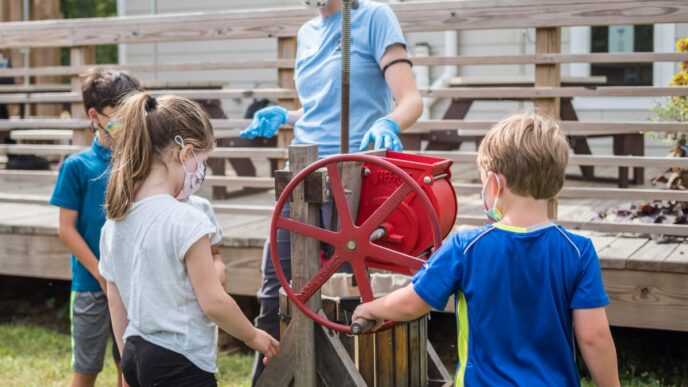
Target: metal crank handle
[(361, 326)]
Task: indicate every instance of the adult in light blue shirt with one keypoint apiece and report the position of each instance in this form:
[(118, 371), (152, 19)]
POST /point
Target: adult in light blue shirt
[(380, 75), (376, 42)]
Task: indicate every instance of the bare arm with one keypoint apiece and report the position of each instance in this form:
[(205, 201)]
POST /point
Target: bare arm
[(400, 80), (294, 115), (118, 314), (219, 264), (596, 345), (219, 306), (401, 305), (77, 245)]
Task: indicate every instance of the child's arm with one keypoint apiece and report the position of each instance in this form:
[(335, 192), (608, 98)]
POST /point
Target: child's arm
[(401, 305), (596, 345), (219, 264), (219, 306), (77, 245), (118, 314)]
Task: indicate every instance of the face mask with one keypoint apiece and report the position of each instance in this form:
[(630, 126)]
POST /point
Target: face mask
[(493, 213), (192, 180), (314, 3), (109, 128)]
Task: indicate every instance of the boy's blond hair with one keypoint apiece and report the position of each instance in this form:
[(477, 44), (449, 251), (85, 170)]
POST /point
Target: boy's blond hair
[(530, 151)]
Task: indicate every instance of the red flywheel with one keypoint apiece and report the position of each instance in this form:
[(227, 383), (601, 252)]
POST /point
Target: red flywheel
[(351, 242)]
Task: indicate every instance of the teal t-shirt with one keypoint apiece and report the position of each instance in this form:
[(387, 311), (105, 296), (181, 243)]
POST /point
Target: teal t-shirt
[(81, 186), (374, 28)]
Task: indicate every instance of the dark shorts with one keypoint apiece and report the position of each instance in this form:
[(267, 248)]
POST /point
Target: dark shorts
[(145, 364)]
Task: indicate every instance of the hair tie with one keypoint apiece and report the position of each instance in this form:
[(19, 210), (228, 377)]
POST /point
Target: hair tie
[(151, 103)]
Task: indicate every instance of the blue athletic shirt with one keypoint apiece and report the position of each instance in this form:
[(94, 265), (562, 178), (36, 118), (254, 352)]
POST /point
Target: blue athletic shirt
[(81, 186), (374, 28), (515, 290)]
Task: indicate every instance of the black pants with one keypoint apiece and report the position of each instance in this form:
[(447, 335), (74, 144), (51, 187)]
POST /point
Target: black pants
[(145, 364)]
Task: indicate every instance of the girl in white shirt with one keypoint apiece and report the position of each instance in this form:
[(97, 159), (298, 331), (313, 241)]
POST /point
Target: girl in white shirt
[(164, 295)]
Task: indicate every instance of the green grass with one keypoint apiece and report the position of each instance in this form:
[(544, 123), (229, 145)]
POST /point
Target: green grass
[(34, 355)]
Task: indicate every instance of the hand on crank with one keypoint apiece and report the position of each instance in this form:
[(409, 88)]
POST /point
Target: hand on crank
[(363, 311), (265, 344), (384, 132), (266, 122)]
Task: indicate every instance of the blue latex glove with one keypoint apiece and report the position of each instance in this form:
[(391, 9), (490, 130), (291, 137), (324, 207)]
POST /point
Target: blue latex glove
[(384, 132), (266, 122)]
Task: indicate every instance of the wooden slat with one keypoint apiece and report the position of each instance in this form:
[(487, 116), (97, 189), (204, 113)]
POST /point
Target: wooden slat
[(638, 57), (384, 358), (615, 255), (507, 93), (365, 357), (34, 256), (468, 60), (677, 261), (414, 353), (491, 93), (643, 299), (596, 193), (611, 227), (650, 256), (401, 355), (472, 128), (146, 67), (413, 17)]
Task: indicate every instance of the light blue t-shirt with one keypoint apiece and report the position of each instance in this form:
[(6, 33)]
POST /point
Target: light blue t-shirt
[(515, 290), (374, 28)]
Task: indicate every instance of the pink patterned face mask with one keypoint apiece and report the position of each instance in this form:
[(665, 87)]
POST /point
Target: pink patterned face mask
[(193, 179)]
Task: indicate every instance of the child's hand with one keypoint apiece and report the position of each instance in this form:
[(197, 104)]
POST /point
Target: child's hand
[(103, 284), (265, 344), (363, 311)]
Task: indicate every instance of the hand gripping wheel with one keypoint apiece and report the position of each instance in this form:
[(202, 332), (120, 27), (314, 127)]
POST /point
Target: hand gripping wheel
[(351, 242)]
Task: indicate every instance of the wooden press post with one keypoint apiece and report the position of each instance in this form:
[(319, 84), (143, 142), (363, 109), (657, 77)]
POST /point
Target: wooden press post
[(305, 263), (548, 41), (286, 49)]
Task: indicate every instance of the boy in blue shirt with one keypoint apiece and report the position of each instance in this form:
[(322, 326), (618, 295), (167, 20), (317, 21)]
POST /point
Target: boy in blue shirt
[(523, 286), (80, 194)]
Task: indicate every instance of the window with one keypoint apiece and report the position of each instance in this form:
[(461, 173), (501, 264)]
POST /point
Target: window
[(618, 39)]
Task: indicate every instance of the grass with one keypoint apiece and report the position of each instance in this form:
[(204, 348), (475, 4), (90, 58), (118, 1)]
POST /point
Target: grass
[(36, 355)]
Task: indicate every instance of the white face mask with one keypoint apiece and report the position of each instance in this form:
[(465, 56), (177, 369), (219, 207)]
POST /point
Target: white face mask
[(192, 180), (315, 4)]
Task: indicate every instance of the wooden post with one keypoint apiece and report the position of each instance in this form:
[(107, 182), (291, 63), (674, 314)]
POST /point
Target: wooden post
[(548, 41), (46, 56), (12, 10), (80, 56), (305, 263), (286, 49)]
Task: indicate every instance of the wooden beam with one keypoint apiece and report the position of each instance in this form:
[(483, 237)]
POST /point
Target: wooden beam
[(231, 127), (610, 227), (413, 17), (80, 56), (486, 93), (637, 57), (642, 299), (596, 193)]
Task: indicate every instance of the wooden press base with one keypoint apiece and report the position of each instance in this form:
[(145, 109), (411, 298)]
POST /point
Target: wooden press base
[(399, 357)]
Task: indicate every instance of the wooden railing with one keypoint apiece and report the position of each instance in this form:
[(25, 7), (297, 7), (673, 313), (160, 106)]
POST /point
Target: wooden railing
[(547, 16)]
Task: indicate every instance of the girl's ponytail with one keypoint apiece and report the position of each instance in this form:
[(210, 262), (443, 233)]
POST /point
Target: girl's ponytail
[(131, 155)]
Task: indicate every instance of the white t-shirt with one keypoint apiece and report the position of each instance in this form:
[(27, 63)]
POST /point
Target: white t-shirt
[(143, 254), (207, 208)]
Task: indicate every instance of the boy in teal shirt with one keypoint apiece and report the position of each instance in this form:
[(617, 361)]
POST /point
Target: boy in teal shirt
[(523, 286), (80, 194)]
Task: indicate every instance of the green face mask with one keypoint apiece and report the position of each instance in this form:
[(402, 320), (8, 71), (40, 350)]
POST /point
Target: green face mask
[(493, 213)]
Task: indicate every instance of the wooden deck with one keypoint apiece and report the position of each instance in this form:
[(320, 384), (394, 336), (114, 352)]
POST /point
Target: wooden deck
[(647, 281)]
